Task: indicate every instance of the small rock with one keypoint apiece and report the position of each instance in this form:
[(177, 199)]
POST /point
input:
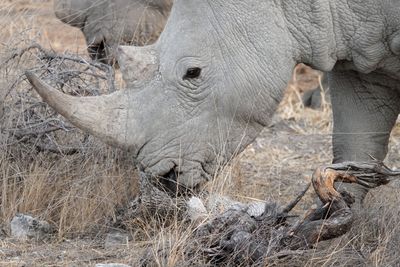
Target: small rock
[(256, 209), (395, 182), (27, 227), (111, 265), (217, 204), (116, 239), (195, 209)]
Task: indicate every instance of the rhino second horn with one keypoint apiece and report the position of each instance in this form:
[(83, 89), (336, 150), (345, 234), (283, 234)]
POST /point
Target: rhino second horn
[(102, 116), (138, 64)]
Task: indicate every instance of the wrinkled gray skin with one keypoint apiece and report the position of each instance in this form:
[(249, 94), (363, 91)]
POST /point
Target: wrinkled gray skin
[(106, 24), (247, 51)]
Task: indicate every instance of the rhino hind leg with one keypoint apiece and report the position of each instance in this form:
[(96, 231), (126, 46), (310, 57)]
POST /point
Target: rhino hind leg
[(365, 109)]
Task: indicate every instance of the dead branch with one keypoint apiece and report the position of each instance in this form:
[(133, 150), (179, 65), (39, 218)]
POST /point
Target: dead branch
[(335, 218), (236, 238), (20, 133), (296, 201), (45, 54), (57, 149), (26, 120)]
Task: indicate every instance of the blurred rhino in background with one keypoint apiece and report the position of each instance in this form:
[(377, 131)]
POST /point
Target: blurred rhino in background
[(106, 24)]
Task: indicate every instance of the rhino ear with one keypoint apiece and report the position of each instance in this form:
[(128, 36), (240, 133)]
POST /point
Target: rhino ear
[(138, 64)]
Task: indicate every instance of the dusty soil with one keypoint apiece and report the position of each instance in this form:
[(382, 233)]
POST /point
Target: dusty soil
[(275, 167)]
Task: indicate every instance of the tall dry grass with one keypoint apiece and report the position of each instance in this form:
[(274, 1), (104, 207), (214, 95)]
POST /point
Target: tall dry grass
[(77, 193)]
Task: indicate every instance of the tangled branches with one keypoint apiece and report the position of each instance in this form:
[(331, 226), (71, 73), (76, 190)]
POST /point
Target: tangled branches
[(25, 119), (241, 237)]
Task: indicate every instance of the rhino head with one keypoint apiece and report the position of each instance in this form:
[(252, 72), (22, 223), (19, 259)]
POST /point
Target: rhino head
[(198, 96)]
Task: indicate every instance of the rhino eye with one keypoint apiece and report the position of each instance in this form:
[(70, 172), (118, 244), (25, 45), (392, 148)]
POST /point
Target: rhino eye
[(192, 73)]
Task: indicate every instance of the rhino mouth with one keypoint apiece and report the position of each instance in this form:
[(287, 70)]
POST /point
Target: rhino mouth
[(169, 176), (169, 181)]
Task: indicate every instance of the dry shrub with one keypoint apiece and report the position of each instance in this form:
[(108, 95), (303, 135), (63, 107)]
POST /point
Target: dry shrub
[(49, 168)]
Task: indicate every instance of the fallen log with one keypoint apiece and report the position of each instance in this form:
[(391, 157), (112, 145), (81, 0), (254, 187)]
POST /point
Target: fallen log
[(242, 235)]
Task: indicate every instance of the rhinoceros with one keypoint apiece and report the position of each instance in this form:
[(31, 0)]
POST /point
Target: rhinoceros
[(212, 81), (106, 24)]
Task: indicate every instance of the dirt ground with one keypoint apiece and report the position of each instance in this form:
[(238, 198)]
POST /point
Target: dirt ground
[(275, 167)]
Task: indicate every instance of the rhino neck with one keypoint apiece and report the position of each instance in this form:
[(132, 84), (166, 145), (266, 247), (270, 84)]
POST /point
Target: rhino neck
[(329, 31)]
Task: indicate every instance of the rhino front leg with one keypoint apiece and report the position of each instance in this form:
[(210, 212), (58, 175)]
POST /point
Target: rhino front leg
[(365, 109)]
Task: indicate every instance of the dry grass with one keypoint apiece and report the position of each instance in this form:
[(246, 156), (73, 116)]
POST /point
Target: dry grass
[(80, 194), (77, 193)]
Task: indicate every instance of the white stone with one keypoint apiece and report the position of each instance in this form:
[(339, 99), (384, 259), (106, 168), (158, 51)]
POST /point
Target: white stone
[(27, 227), (256, 209), (116, 239), (196, 209), (217, 204)]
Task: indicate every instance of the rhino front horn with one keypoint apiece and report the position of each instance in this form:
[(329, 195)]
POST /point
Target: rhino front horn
[(102, 116), (138, 64)]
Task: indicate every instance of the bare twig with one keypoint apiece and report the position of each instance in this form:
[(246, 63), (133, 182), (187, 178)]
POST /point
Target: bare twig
[(57, 149), (29, 131), (32, 123), (293, 204)]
